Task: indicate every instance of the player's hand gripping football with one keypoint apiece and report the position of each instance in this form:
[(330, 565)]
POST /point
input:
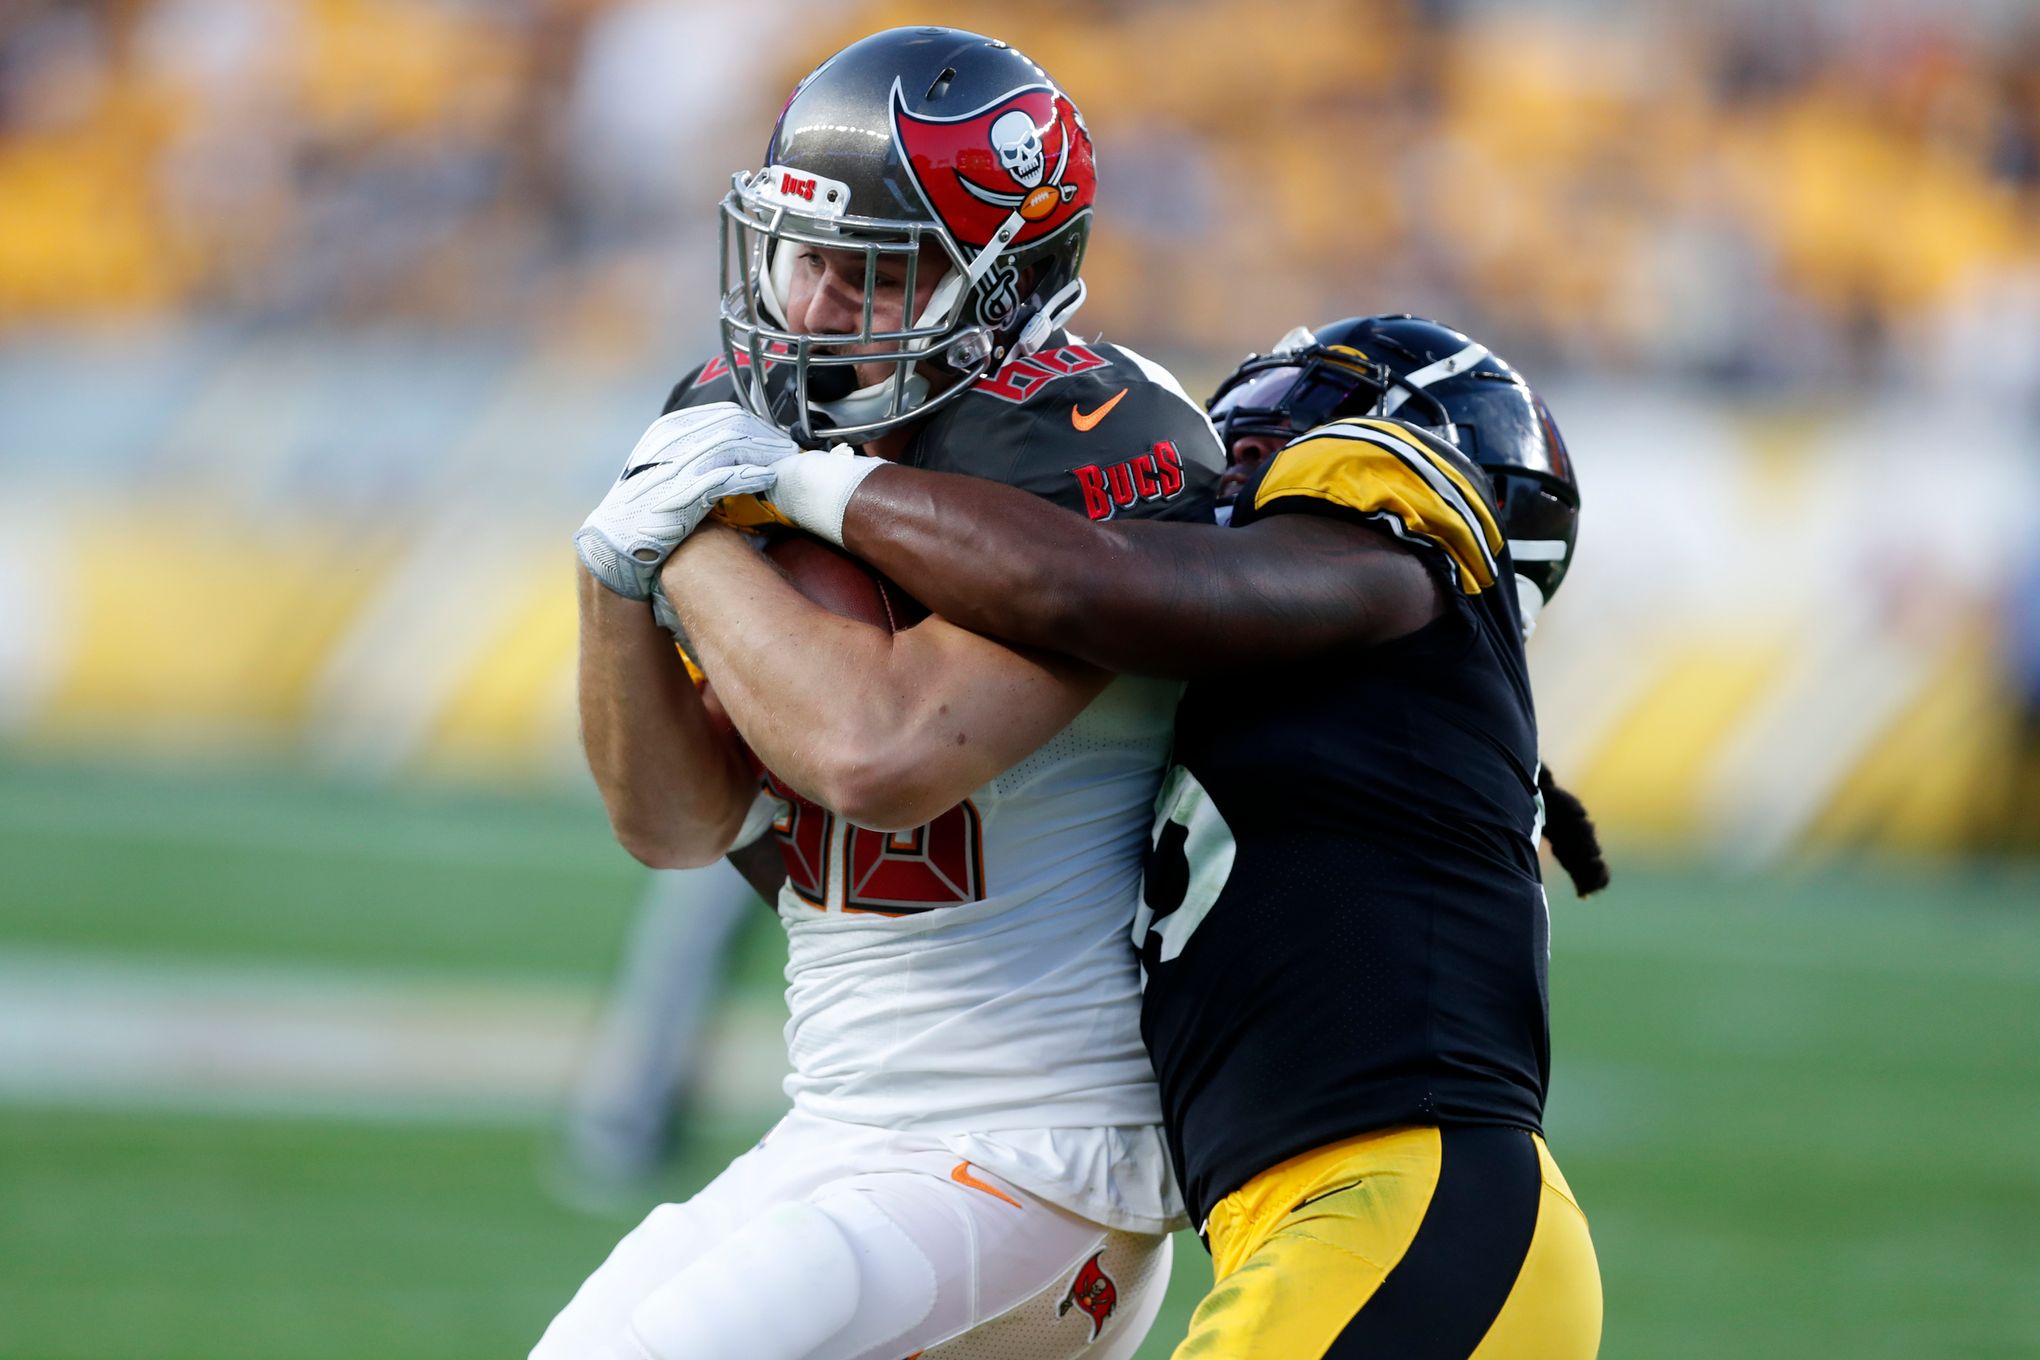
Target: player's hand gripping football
[(686, 462)]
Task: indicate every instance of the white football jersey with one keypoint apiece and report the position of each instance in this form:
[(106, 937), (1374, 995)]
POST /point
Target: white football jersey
[(974, 979)]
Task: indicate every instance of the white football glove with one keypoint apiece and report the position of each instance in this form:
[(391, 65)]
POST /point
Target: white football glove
[(721, 430), (686, 462)]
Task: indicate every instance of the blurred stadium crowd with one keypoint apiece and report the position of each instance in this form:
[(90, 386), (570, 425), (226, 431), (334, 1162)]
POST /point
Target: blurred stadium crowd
[(1760, 194), (380, 290)]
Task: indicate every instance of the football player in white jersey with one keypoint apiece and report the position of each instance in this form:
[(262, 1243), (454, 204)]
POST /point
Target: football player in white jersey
[(973, 1164)]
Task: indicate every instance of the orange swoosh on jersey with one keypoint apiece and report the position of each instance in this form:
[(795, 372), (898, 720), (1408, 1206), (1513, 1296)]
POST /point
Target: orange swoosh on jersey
[(961, 1175), (1086, 422)]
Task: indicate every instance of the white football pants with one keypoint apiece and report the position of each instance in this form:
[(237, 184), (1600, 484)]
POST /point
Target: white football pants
[(833, 1241)]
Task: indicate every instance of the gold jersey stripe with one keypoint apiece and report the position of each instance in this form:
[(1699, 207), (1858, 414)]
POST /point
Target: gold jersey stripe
[(1364, 476), (1452, 486), (1476, 499)]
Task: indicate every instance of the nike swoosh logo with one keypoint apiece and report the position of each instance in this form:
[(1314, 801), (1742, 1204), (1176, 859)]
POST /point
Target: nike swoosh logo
[(961, 1175), (1335, 1190), (1086, 422)]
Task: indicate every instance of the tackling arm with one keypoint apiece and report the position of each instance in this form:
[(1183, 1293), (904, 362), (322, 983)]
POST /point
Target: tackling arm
[(674, 782), (1153, 598), (888, 729)]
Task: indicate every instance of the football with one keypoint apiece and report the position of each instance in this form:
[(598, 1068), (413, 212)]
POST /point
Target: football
[(843, 585), (837, 582)]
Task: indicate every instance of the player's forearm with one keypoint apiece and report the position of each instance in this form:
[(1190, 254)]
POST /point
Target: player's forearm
[(888, 730), (1167, 599), (814, 694), (1000, 561), (675, 788), (990, 557), (795, 678)]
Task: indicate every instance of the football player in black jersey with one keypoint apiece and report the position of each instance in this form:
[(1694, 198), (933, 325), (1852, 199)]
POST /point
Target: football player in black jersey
[(897, 277), (1344, 929)]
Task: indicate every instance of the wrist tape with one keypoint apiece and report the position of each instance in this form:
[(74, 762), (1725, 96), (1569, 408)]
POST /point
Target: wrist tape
[(814, 489)]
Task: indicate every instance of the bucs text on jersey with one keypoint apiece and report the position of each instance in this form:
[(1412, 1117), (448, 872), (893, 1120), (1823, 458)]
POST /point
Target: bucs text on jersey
[(1343, 926), (971, 978)]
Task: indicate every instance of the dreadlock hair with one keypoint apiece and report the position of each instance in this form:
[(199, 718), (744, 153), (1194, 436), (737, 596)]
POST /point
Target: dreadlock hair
[(1569, 831)]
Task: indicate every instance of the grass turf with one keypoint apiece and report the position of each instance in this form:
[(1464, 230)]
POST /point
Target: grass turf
[(1798, 1108)]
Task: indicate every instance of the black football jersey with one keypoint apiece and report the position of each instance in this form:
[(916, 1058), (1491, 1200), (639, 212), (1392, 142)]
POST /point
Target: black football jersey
[(1344, 926), (1095, 428)]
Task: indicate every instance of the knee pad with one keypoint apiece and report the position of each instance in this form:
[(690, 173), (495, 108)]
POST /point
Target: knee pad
[(775, 1289)]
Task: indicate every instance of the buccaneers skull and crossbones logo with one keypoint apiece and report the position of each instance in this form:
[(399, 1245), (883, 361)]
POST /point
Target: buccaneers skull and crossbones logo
[(1092, 1291), (1025, 153), (1023, 156)]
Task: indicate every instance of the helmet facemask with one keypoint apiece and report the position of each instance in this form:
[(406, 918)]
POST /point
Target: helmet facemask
[(819, 399)]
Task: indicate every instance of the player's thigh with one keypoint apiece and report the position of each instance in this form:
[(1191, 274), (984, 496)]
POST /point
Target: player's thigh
[(907, 1261), (1554, 1309), (1294, 1293), (1484, 1253), (669, 1240), (1098, 1304)]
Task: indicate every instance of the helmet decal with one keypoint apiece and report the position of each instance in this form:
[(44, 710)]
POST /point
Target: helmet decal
[(1026, 153), (998, 294)]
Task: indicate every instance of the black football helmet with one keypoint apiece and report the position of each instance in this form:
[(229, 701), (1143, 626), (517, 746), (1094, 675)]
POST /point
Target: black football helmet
[(908, 137), (1430, 375)]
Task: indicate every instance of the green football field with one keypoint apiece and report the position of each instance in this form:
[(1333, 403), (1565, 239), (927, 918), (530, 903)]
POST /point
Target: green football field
[(1802, 1109)]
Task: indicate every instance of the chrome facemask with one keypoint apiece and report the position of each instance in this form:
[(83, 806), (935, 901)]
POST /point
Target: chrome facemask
[(767, 216)]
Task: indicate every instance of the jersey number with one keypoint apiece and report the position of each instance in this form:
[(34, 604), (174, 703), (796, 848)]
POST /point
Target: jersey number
[(1189, 860), (891, 873)]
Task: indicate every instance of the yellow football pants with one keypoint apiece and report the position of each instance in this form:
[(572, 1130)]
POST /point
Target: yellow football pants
[(1410, 1244)]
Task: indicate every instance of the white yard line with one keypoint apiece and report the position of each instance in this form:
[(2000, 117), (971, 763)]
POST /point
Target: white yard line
[(252, 822), (78, 1029)]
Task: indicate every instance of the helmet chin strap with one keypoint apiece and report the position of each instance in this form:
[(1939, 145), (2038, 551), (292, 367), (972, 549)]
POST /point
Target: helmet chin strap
[(1053, 314)]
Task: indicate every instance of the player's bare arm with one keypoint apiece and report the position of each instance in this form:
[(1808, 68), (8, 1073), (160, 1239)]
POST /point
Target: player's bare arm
[(674, 783), (888, 729), (673, 779), (1151, 598)]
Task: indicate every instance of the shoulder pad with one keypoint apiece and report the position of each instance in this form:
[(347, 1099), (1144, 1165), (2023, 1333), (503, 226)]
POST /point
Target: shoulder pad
[(1094, 428), (1406, 480), (678, 397)]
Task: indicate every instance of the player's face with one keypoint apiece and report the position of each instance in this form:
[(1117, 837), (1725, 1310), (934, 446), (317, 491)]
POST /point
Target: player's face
[(825, 296), (1249, 451)]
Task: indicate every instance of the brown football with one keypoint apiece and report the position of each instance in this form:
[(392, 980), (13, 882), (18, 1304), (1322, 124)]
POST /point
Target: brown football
[(843, 585)]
